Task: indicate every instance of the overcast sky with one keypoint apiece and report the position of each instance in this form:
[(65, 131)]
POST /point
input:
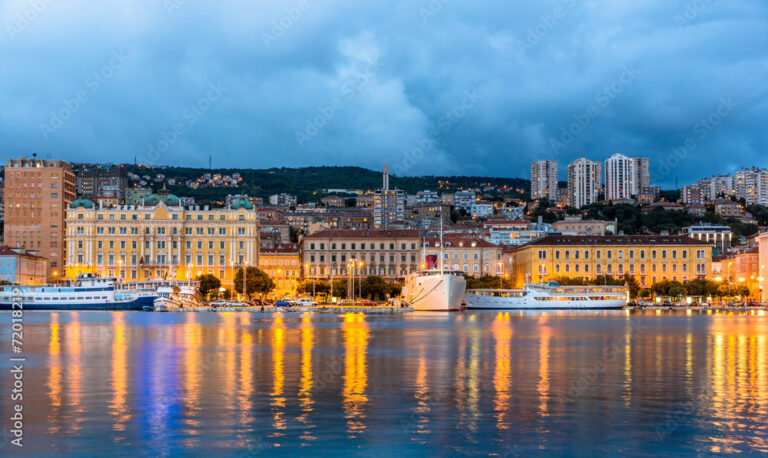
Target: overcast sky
[(431, 86)]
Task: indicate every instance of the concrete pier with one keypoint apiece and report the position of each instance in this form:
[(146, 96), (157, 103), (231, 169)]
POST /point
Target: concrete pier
[(318, 309)]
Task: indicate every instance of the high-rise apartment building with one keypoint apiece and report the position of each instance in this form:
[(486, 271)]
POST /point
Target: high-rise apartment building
[(37, 194), (626, 177), (585, 180), (388, 204), (544, 180), (752, 185)]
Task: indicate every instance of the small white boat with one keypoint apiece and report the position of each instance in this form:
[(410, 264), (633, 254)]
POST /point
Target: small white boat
[(167, 299), (549, 296)]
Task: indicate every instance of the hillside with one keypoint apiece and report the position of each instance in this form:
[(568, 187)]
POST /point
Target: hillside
[(308, 182)]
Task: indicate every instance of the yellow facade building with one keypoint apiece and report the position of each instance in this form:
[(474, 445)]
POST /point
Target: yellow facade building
[(648, 258), (160, 240), (283, 265)]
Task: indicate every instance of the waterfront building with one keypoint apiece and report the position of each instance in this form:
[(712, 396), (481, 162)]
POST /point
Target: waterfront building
[(392, 254), (91, 180), (388, 204), (625, 177), (21, 267), (718, 235), (762, 273), (160, 239), (471, 255), (585, 181), (37, 193), (743, 269), (544, 180), (648, 258), (283, 265)]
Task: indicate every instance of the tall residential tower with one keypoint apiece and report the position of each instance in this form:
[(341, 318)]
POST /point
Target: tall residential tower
[(544, 180)]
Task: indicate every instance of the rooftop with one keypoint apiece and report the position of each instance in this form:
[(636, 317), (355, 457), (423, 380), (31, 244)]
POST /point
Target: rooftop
[(364, 233), (617, 240)]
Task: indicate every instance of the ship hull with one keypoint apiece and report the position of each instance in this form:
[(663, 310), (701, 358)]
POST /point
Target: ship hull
[(485, 302), (137, 304), (435, 293)]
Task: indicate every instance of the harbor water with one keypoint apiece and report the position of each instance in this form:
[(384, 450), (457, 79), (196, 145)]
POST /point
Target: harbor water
[(604, 383)]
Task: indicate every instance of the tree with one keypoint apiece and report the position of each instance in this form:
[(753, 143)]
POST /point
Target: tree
[(488, 282), (340, 286), (209, 283), (320, 286), (374, 287), (256, 281), (644, 293)]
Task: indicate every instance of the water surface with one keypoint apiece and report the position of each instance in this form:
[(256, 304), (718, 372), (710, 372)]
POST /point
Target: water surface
[(473, 383)]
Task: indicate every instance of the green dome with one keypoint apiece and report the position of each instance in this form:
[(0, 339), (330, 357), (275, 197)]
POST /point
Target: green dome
[(81, 203), (172, 200), (151, 200), (169, 199), (241, 203)]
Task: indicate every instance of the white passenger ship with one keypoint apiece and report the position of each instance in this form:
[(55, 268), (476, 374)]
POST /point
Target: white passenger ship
[(434, 290), (173, 297), (87, 292), (549, 296)]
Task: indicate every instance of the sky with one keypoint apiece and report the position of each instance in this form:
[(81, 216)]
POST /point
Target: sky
[(430, 86)]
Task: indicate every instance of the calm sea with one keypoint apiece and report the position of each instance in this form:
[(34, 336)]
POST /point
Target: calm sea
[(501, 384)]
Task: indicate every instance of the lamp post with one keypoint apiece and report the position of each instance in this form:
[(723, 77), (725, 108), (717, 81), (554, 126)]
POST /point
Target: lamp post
[(501, 275), (360, 281), (245, 269)]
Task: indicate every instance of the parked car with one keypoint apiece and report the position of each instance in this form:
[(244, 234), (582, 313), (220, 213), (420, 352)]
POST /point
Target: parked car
[(667, 304), (217, 304), (236, 304), (306, 302), (366, 303), (346, 303), (282, 303), (256, 302)]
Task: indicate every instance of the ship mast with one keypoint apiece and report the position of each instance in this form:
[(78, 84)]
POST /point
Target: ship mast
[(441, 240)]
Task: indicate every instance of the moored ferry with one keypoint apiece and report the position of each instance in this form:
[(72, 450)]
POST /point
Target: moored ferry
[(86, 292), (434, 290), (548, 296)]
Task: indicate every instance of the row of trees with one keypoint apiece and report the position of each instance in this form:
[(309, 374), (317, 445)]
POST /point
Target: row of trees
[(256, 282), (666, 288), (371, 287)]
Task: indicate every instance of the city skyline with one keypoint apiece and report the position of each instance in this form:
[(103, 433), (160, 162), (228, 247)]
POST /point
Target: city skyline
[(260, 102)]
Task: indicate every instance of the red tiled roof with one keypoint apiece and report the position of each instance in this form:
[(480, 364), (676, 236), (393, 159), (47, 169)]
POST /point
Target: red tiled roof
[(364, 233), (618, 240), (5, 250)]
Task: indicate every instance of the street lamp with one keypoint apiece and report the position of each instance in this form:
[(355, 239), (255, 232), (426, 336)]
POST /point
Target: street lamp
[(360, 282), (245, 269), (501, 275)]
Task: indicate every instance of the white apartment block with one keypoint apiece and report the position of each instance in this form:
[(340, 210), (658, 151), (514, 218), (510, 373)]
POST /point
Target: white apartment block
[(585, 181), (544, 180)]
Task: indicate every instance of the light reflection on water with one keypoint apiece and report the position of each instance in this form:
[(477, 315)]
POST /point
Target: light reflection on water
[(506, 383)]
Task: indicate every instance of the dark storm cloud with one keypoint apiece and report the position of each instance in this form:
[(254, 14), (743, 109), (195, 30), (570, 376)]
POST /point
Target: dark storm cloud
[(432, 86)]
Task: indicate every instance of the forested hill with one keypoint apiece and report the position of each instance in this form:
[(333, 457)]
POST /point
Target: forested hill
[(308, 183)]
